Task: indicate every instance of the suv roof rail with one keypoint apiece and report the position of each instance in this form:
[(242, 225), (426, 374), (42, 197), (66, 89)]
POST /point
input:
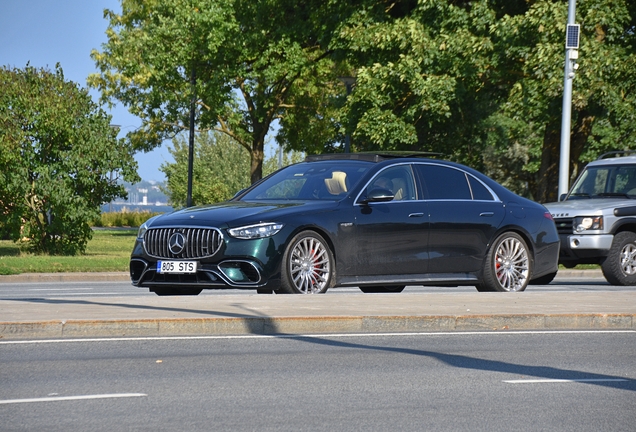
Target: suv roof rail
[(616, 154), (371, 156)]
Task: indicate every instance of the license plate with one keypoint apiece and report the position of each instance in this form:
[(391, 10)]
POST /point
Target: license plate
[(176, 266)]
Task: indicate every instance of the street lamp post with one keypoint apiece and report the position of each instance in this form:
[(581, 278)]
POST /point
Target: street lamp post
[(571, 55), (193, 101)]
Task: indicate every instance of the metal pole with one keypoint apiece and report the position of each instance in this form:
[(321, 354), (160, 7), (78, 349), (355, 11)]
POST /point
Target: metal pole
[(193, 101), (566, 120)]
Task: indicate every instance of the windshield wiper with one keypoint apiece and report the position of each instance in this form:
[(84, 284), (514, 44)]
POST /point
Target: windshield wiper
[(585, 195)]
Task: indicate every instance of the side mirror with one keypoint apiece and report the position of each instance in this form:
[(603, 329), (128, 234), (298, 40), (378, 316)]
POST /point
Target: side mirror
[(378, 195), (562, 197)]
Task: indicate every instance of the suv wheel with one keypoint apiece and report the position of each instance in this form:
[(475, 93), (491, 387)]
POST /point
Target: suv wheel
[(619, 268)]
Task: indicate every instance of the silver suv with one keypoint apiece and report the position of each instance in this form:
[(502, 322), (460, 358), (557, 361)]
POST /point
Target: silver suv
[(596, 220)]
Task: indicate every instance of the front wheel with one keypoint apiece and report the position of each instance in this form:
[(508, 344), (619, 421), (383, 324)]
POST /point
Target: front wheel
[(507, 266), (619, 268), (308, 265)]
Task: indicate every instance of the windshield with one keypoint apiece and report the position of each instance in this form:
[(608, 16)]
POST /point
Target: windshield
[(324, 180), (605, 181)]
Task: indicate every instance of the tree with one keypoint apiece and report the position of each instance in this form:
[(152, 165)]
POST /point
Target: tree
[(482, 83), (221, 168), (424, 75), (57, 153), (604, 90), (247, 63)]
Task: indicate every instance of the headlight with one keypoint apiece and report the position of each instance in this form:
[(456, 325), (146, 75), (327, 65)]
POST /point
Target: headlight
[(255, 231), (144, 227), (588, 223)]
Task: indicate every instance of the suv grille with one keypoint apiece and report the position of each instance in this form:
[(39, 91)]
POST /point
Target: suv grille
[(191, 243), (564, 225)]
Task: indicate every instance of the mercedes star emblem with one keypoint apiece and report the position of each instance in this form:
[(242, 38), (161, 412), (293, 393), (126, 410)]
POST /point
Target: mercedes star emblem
[(176, 243)]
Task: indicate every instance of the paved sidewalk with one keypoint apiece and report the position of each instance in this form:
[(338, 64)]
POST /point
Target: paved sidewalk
[(149, 316)]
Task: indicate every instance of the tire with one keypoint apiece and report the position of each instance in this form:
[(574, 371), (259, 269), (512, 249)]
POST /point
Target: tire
[(507, 266), (619, 268), (382, 289), (308, 265), (543, 280), (165, 291)]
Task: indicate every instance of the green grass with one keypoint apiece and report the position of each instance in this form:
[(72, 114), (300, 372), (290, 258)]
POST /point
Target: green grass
[(109, 250)]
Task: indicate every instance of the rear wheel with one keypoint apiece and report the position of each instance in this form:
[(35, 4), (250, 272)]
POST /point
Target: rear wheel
[(507, 265), (382, 289), (308, 265), (619, 268)]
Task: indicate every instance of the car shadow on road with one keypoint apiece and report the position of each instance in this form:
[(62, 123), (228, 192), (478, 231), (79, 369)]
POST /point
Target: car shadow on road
[(465, 362)]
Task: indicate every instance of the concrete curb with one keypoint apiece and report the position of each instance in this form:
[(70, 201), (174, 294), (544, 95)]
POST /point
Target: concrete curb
[(66, 277), (125, 277), (166, 327)]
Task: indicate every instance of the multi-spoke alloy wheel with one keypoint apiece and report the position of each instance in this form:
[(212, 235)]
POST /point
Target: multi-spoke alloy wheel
[(307, 265), (619, 268), (507, 266)]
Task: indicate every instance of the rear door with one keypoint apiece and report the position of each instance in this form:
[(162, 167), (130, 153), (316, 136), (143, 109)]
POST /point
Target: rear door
[(463, 214)]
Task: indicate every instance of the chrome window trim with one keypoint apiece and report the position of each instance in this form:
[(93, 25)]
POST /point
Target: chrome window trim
[(418, 199)]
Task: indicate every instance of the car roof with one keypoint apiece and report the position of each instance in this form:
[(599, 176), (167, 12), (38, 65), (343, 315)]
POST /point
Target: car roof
[(370, 156), (615, 158)]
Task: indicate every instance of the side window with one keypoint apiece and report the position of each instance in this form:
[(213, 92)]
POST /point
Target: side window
[(444, 183), (398, 179), (479, 190)]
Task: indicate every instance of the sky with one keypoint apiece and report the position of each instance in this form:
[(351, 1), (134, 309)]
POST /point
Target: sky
[(46, 32)]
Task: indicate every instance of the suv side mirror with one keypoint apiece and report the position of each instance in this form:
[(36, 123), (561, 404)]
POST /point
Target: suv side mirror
[(562, 197)]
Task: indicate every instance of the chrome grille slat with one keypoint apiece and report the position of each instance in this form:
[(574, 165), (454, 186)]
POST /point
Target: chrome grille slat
[(199, 242)]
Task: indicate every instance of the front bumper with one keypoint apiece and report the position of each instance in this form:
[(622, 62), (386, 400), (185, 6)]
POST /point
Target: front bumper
[(584, 247), (227, 274)]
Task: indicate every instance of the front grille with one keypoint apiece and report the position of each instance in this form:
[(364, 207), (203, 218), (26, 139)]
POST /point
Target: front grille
[(193, 242), (564, 225)]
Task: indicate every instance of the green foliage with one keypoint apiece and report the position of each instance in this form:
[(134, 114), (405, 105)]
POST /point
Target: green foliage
[(57, 151), (482, 82), (604, 89), (107, 251), (221, 168), (124, 218), (248, 63)]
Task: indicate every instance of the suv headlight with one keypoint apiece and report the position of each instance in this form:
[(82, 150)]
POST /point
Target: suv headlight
[(255, 231), (585, 223)]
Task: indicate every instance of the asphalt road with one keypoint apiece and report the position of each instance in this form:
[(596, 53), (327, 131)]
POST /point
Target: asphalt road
[(581, 381), (48, 290)]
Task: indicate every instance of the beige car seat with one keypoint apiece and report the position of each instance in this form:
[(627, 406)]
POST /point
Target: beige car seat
[(337, 184)]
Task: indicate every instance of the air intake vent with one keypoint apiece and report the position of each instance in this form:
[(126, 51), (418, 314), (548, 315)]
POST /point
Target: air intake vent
[(182, 243)]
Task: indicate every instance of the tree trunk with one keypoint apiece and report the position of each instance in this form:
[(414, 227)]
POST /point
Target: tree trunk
[(580, 134), (545, 187), (256, 158)]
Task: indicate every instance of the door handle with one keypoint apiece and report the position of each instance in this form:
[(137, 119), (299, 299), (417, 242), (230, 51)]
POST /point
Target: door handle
[(487, 214), (416, 215)]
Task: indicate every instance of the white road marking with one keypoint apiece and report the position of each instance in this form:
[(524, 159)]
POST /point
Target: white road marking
[(546, 380), (72, 398), (323, 335), (58, 289)]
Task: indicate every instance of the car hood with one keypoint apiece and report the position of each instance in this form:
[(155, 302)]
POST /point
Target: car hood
[(592, 206), (237, 213)]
